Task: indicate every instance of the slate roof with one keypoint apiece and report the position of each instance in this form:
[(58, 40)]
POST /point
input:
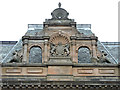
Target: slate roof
[(8, 49), (113, 48)]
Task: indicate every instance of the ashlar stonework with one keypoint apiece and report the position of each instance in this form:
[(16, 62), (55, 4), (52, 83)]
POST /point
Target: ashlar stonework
[(60, 55)]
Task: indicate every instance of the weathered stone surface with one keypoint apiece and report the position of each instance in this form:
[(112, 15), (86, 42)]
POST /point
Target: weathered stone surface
[(60, 51), (60, 60), (60, 70)]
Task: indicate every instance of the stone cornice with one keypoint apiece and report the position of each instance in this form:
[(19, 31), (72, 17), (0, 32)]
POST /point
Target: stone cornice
[(84, 38), (35, 37), (62, 64)]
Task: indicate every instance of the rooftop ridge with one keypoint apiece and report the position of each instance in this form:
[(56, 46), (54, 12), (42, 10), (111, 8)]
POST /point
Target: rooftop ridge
[(111, 43), (8, 42)]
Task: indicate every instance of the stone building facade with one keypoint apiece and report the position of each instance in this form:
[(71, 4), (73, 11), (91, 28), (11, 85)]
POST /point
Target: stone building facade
[(60, 54)]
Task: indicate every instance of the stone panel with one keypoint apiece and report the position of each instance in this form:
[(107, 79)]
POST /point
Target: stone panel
[(95, 71), (88, 71), (13, 70), (34, 70), (41, 71), (85, 71), (106, 71), (60, 70)]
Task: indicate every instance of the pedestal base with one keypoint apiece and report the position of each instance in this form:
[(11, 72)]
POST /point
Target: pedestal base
[(60, 60)]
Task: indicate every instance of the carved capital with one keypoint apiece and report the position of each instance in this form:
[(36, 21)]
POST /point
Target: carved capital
[(46, 37), (25, 37), (94, 37), (73, 43), (94, 43), (73, 37), (25, 41), (46, 42)]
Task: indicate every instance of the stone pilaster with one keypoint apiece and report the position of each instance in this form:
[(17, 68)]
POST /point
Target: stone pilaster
[(74, 51), (25, 51), (45, 50), (94, 47), (73, 44)]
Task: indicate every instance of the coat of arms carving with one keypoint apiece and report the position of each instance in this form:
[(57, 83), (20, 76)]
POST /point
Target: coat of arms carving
[(59, 50)]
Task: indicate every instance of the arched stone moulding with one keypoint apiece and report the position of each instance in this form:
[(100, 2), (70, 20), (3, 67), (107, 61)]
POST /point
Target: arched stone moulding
[(35, 54), (36, 45), (84, 55), (87, 46), (82, 46), (59, 37)]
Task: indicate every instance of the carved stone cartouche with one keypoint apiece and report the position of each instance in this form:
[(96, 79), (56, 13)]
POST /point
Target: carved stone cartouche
[(60, 50)]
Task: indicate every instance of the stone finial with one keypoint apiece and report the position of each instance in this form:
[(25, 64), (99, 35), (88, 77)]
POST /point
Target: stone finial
[(59, 5)]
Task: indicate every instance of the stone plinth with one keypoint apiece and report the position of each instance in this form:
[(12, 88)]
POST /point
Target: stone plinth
[(60, 60)]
